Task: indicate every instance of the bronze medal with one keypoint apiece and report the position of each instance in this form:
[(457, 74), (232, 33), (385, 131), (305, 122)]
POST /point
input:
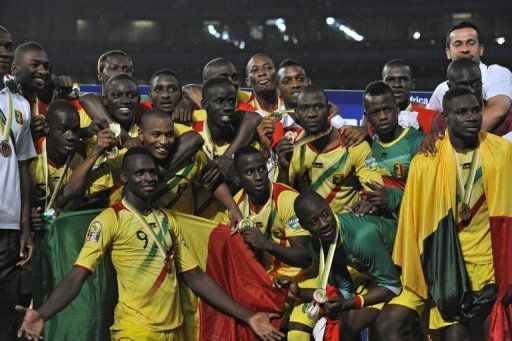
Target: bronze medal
[(320, 296), (5, 149), (245, 224), (465, 212)]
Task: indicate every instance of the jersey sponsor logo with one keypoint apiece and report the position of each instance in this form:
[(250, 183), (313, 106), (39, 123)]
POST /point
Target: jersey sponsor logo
[(293, 222), (19, 116), (318, 165), (371, 163), (94, 232), (398, 169)]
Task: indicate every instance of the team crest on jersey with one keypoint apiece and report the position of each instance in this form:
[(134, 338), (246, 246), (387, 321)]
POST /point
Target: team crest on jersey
[(293, 222), (337, 179), (94, 232), (398, 170), (371, 162), (278, 234), (318, 165), (19, 116)]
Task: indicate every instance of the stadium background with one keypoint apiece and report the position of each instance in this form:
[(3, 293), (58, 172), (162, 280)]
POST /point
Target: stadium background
[(342, 44)]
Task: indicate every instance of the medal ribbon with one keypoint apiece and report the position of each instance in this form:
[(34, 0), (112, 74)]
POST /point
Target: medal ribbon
[(305, 139), (324, 266), (209, 146), (53, 196), (466, 189), (5, 130), (162, 247)]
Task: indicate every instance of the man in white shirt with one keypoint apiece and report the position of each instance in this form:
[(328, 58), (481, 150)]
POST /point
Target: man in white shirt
[(463, 41), (16, 246)]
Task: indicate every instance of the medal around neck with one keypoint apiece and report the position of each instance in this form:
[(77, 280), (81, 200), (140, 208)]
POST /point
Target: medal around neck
[(49, 213), (465, 212), (5, 149), (116, 130)]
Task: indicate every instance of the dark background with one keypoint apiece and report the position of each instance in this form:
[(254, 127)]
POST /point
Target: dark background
[(159, 34)]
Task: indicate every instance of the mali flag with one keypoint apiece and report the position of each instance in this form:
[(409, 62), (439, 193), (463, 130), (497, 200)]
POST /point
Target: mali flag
[(427, 248), (233, 266), (91, 313)]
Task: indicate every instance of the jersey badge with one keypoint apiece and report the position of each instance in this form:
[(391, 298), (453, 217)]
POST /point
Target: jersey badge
[(94, 232), (398, 170), (293, 222), (19, 116)]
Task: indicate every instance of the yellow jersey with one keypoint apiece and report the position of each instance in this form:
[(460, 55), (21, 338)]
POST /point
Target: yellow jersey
[(45, 175), (148, 292), (336, 174), (277, 220)]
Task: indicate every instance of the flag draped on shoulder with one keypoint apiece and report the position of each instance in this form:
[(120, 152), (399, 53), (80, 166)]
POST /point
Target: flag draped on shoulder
[(427, 247), (233, 266)]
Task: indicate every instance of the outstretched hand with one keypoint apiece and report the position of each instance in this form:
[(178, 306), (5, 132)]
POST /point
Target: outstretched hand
[(32, 325), (428, 145), (260, 324)]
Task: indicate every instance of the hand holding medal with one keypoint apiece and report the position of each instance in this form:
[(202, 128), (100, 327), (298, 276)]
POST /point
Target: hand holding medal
[(5, 126), (114, 151)]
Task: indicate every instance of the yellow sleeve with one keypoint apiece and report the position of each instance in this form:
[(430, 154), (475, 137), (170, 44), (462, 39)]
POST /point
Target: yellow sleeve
[(243, 96), (199, 115), (85, 120), (365, 164), (101, 180), (185, 260), (287, 215), (201, 161), (180, 129), (294, 168), (98, 238)]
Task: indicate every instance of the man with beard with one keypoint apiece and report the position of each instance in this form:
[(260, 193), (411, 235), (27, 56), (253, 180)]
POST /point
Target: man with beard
[(149, 305)]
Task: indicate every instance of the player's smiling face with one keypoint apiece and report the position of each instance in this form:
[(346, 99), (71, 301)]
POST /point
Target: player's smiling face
[(220, 104), (317, 218), (140, 176), (291, 79), (165, 92), (158, 137), (312, 112), (252, 174), (32, 70), (382, 113), (122, 100), (261, 74)]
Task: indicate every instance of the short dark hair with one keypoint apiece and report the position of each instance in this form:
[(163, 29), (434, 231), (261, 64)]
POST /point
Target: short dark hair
[(377, 88), (59, 106), (458, 92), (243, 151), (167, 72), (313, 88), (103, 58), (461, 64), (304, 198), (397, 63), (212, 63), (214, 82), (24, 48), (154, 113), (461, 25), (289, 62), (134, 151), (118, 77), (256, 55)]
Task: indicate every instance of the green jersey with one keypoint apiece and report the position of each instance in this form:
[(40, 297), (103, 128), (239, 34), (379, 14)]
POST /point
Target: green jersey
[(366, 244), (393, 160)]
